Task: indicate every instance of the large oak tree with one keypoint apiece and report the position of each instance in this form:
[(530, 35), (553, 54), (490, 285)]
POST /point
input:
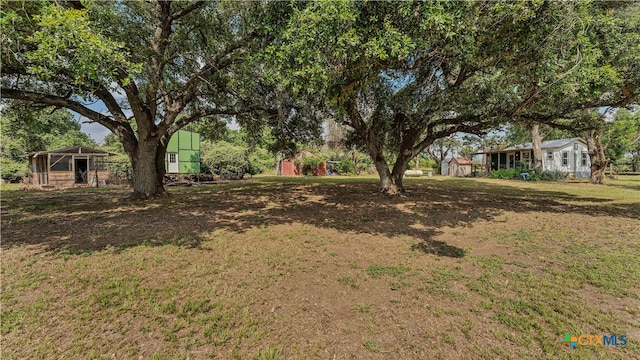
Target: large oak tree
[(143, 69), (405, 74)]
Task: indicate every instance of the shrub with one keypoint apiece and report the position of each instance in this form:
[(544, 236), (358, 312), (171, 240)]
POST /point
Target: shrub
[(227, 160), (13, 171), (515, 173), (428, 163), (308, 163), (261, 161), (534, 174), (506, 174), (346, 167), (555, 175)]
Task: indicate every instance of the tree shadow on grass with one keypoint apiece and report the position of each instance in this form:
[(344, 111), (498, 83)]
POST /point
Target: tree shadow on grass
[(192, 241), (438, 248), (86, 222)]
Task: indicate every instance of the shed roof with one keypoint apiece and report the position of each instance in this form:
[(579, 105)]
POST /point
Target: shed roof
[(462, 161), (549, 144), (73, 150)]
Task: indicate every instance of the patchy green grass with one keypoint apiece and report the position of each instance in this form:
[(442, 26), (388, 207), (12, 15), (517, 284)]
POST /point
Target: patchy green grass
[(362, 308), (376, 271), (279, 268), (626, 181)]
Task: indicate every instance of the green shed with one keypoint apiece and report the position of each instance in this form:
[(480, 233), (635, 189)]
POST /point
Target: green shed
[(183, 153)]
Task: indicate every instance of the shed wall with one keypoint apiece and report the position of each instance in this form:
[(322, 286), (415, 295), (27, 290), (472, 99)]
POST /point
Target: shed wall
[(287, 168), (67, 178), (187, 145), (456, 169)]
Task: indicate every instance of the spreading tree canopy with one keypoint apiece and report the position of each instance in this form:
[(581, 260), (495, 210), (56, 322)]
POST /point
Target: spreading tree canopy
[(404, 74), (143, 69), (400, 74)]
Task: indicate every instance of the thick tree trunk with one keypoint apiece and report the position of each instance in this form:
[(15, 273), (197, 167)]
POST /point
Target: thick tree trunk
[(384, 174), (397, 174), (389, 182), (536, 145), (160, 168), (599, 162), (148, 165)]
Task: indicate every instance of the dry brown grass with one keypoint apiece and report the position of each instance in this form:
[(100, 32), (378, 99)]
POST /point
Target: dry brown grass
[(306, 268)]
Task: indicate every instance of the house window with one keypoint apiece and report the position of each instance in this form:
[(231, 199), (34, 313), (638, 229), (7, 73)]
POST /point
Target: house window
[(565, 158), (575, 146), (584, 158), (525, 157), (550, 155), (172, 158)]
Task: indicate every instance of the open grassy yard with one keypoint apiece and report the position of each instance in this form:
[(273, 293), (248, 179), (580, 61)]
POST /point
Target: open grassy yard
[(323, 269)]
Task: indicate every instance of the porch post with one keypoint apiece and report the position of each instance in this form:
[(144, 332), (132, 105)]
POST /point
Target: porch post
[(46, 180), (73, 168)]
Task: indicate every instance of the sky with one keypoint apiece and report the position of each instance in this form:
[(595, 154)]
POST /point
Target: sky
[(95, 130)]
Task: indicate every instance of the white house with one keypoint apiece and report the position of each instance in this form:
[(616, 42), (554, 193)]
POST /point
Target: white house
[(569, 156)]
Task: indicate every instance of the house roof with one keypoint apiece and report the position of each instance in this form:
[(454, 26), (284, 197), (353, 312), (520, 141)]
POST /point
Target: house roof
[(462, 161), (549, 144), (73, 150)]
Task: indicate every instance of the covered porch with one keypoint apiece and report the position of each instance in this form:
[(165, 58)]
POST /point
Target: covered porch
[(508, 159)]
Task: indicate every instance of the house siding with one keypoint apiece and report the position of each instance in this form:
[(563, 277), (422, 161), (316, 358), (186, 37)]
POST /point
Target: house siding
[(574, 160), (573, 167)]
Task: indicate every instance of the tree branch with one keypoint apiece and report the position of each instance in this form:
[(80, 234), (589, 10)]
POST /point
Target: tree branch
[(217, 62), (194, 6), (76, 4), (111, 103), (122, 130), (627, 97), (141, 112), (180, 123)]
